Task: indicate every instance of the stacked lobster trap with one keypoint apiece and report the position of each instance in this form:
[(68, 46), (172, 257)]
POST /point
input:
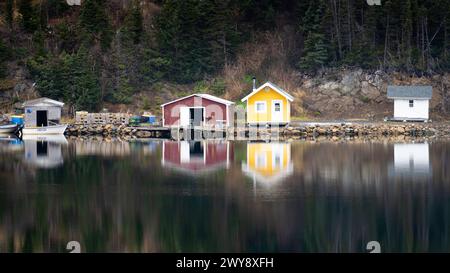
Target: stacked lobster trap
[(85, 118)]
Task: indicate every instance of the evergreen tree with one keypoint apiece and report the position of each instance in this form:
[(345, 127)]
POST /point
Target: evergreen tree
[(55, 8), (407, 34), (5, 54), (364, 50), (29, 17), (153, 67), (94, 23), (315, 53), (446, 39), (133, 27), (67, 36), (39, 43), (196, 37), (223, 36), (69, 77), (123, 90), (179, 39), (121, 71), (261, 13), (9, 12), (86, 92), (191, 40), (51, 74)]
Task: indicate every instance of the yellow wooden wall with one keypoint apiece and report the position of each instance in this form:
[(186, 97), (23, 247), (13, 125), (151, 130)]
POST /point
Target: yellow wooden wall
[(267, 95)]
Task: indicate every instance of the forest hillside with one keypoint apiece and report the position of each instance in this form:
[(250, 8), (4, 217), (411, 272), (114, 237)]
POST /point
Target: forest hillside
[(336, 57)]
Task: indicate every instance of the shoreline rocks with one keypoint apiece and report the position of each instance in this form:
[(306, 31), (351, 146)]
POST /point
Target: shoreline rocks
[(306, 131), (110, 130), (369, 129)]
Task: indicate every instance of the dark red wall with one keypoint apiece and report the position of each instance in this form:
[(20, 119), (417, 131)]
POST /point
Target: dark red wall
[(213, 110), (216, 153)]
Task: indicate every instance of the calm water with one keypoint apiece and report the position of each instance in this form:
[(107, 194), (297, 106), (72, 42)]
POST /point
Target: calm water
[(217, 196)]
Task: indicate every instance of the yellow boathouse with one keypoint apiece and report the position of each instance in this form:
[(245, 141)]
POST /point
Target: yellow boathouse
[(268, 105), (268, 163)]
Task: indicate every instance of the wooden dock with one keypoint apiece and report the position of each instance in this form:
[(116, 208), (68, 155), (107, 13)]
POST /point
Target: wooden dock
[(156, 132), (246, 133), (197, 133)]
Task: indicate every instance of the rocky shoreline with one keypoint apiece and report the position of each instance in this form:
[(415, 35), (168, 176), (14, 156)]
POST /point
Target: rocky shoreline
[(370, 129), (298, 131), (110, 130)]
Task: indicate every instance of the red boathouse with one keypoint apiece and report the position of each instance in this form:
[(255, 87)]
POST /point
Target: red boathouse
[(196, 157), (202, 110)]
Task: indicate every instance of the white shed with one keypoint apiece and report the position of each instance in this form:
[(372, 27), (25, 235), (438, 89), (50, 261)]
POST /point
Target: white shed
[(40, 112), (410, 102)]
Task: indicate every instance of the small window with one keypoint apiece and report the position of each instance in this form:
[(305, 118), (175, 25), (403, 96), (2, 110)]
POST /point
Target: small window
[(260, 106), (277, 107), (411, 103)]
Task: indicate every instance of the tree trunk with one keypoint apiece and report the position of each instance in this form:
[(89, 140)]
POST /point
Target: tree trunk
[(337, 29), (423, 42), (349, 21), (427, 42), (225, 61), (386, 41), (445, 102)]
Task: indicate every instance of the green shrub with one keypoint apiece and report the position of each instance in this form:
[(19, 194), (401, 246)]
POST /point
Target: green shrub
[(218, 86), (201, 87), (365, 99)]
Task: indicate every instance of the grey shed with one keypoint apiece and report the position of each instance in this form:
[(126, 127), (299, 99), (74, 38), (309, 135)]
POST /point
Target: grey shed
[(40, 112)]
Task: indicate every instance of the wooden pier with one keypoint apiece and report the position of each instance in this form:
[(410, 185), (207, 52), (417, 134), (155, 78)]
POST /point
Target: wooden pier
[(246, 133), (175, 133), (156, 132), (195, 133)]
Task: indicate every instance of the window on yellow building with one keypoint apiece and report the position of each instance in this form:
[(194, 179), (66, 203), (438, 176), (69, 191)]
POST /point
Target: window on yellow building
[(260, 106), (277, 107)]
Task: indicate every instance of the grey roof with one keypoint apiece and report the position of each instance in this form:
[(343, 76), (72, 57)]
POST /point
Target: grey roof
[(42, 101), (416, 92)]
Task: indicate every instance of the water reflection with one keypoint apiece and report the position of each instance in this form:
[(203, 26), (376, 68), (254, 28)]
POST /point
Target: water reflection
[(268, 162), (329, 197), (10, 143), (107, 148), (411, 159), (195, 157), (44, 151)]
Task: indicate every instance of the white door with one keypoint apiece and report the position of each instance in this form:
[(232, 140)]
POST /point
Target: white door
[(277, 111), (184, 116), (185, 155), (261, 160), (277, 156)]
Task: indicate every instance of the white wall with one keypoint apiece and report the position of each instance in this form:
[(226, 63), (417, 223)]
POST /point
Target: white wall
[(402, 109), (412, 158)]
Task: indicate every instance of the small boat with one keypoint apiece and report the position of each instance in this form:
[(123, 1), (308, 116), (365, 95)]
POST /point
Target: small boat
[(8, 128), (56, 138), (45, 130)]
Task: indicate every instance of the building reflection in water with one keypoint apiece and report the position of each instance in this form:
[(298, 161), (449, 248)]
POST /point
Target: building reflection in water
[(101, 148), (10, 144), (268, 163), (411, 159), (44, 151), (196, 157)]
